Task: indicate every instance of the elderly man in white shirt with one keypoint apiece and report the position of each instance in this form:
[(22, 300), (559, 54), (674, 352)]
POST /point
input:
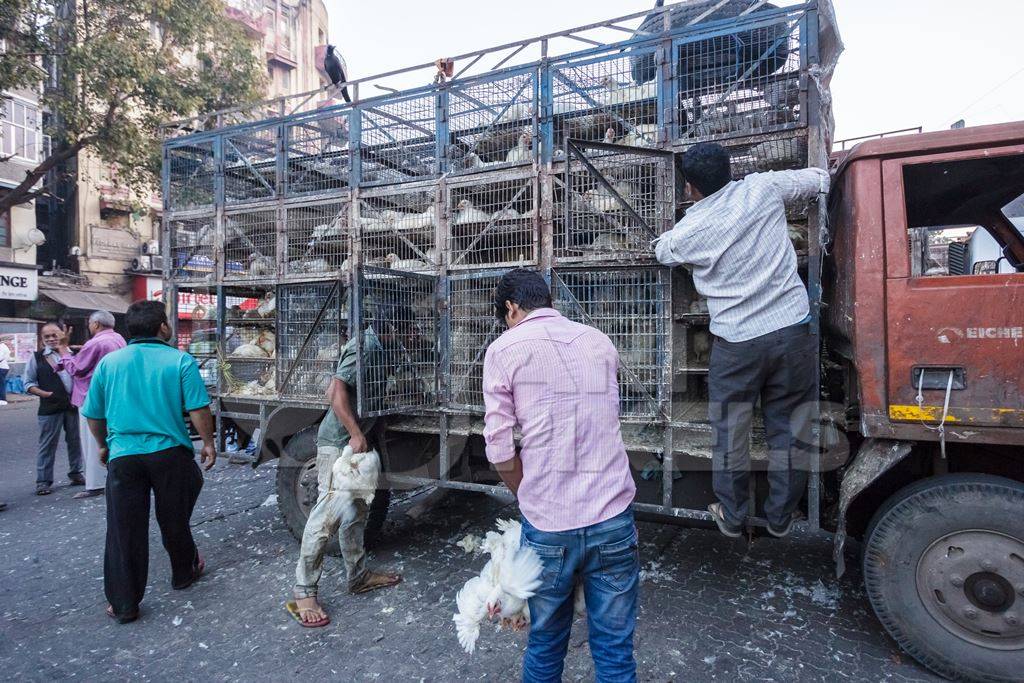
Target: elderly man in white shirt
[(735, 240)]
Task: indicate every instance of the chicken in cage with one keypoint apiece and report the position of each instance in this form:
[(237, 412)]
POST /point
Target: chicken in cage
[(473, 326), (317, 239), (491, 123), (250, 245), (398, 233), (193, 249), (317, 155), (250, 165), (493, 223)]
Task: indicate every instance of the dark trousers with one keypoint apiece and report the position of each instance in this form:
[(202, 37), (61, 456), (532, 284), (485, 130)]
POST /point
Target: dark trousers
[(50, 427), (777, 369), (175, 480), (3, 383)]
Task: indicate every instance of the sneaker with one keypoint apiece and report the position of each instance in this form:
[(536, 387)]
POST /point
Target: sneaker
[(782, 531), (3, 403), (727, 528)]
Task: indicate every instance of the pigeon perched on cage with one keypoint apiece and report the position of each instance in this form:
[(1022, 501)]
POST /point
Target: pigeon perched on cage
[(467, 214), (334, 65), (523, 151)]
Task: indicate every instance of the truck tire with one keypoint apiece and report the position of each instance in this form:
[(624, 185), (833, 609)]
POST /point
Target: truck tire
[(944, 570), (297, 492)]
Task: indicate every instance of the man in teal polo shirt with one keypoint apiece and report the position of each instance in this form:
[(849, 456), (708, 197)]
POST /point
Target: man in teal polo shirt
[(135, 407)]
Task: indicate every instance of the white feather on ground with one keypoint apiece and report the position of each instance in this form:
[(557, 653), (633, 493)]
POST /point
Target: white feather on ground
[(355, 475)]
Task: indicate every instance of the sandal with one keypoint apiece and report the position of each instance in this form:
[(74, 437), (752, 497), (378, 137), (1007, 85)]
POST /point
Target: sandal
[(374, 581), (196, 573), (43, 489), (124, 618), (299, 612)]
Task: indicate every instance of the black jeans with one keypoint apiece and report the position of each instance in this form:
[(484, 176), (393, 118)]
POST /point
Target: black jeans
[(778, 369), (175, 480)]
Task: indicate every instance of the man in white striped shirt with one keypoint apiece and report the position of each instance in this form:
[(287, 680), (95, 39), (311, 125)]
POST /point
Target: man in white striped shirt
[(735, 240)]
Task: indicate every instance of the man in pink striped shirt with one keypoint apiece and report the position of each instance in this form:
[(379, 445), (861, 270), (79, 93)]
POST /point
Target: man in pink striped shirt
[(556, 380)]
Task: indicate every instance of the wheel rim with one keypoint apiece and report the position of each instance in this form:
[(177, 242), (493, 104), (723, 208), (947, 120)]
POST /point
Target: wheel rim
[(972, 583), (306, 486)]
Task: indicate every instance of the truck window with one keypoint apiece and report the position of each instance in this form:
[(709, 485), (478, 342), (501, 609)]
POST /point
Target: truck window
[(961, 215)]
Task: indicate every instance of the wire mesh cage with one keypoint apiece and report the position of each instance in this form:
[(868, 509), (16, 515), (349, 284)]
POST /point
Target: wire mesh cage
[(398, 139), (318, 154), (398, 347), (615, 200), (633, 307), (250, 164), (472, 327), (775, 152), (197, 328), (317, 239), (191, 175), (491, 122), (493, 221), (598, 99), (397, 228), (744, 81), (193, 248), (312, 328), (248, 350), (250, 245)]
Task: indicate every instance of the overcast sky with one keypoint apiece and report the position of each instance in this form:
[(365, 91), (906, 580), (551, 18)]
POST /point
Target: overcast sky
[(907, 62)]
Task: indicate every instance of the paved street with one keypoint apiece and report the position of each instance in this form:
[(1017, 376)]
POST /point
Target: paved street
[(711, 609)]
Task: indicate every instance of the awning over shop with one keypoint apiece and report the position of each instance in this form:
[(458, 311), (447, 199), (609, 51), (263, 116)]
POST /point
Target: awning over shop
[(87, 301)]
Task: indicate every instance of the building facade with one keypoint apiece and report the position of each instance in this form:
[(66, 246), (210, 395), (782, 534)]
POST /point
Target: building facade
[(112, 244)]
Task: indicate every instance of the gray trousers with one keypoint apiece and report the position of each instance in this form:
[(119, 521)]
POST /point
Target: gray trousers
[(334, 512), (777, 369), (50, 427)]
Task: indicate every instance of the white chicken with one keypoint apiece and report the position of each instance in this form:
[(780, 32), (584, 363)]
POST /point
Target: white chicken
[(501, 590), (268, 306), (267, 341), (602, 201), (618, 94), (260, 266), (326, 231), (249, 351), (522, 152), (355, 475), (642, 135), (410, 264), (506, 214), (609, 136), (468, 214)]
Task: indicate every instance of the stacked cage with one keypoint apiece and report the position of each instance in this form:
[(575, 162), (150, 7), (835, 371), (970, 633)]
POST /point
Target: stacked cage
[(312, 330), (248, 348)]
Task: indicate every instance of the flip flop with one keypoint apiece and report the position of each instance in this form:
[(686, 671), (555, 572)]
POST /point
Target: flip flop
[(374, 581), (297, 612)]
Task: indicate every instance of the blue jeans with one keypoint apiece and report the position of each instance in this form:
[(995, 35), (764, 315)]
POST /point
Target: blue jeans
[(603, 558)]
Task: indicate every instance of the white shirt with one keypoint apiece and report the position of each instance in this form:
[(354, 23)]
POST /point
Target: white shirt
[(5, 357), (737, 244)]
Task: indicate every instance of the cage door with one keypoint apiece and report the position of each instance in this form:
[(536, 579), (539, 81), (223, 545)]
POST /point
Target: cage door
[(395, 323), (618, 198)]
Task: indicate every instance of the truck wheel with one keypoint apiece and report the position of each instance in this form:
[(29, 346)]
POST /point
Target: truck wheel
[(297, 491), (944, 570)]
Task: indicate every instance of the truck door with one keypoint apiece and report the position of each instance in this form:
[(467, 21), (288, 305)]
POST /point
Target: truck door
[(955, 330)]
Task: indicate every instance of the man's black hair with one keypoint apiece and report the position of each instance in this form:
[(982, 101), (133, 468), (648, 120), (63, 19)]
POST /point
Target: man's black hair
[(707, 167), (524, 287), (395, 316), (144, 319)]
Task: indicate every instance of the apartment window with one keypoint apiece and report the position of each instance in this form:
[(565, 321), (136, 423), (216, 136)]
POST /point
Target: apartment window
[(21, 135), (5, 228), (320, 35)]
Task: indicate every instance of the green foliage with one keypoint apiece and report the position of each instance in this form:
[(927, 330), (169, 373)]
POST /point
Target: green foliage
[(125, 67)]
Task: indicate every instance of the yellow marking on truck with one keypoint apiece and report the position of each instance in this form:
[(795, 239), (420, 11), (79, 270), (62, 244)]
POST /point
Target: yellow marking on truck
[(914, 413)]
